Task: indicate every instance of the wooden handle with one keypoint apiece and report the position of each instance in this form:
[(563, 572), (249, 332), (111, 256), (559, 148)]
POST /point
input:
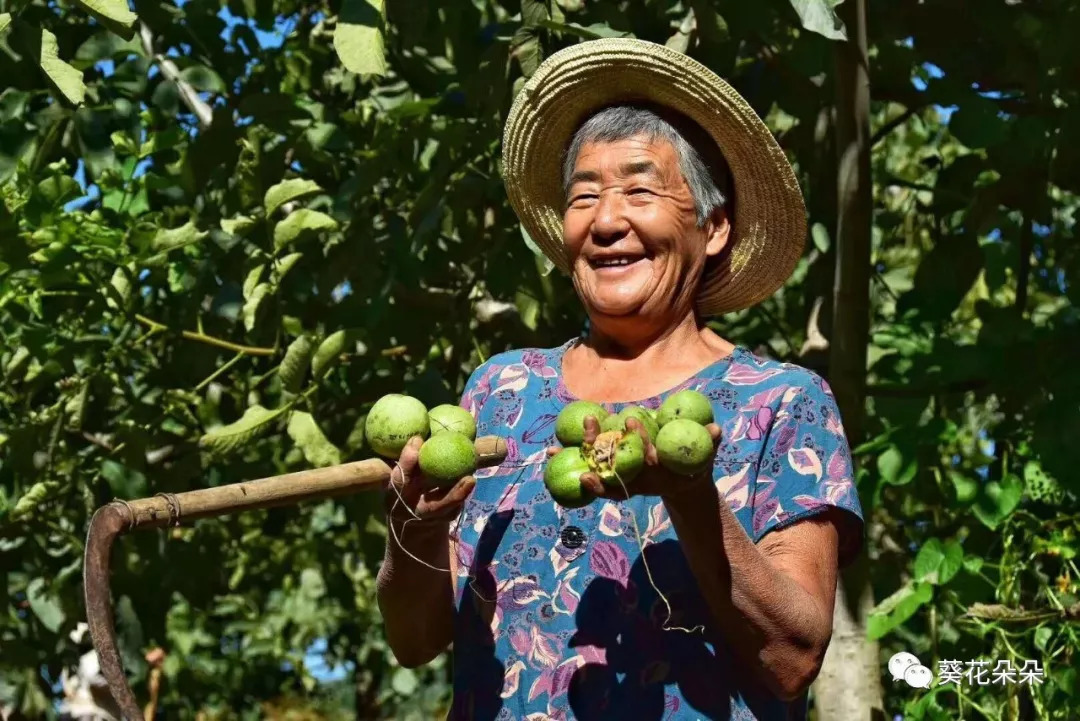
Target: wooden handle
[(170, 509), (119, 517)]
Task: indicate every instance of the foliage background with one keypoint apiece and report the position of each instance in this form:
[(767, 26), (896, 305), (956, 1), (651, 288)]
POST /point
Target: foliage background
[(265, 214)]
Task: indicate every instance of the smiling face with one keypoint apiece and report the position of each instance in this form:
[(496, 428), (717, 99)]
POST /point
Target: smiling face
[(631, 231)]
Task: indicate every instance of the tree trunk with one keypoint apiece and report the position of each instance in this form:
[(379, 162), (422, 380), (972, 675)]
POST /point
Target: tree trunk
[(849, 686)]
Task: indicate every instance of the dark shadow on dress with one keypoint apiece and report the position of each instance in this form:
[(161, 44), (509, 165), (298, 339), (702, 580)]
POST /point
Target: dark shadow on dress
[(482, 700), (627, 623)]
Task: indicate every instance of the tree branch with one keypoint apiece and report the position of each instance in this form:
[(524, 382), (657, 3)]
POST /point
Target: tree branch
[(209, 340), (893, 124), (997, 612), (188, 94)]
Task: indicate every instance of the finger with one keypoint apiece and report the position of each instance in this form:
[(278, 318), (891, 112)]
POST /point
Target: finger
[(633, 424), (592, 429), (406, 474), (651, 457), (410, 456), (592, 483), (553, 451), (714, 431), (459, 492)]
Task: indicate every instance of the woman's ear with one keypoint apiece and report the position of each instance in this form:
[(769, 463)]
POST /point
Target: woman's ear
[(718, 228)]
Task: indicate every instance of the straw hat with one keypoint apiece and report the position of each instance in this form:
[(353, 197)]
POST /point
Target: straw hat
[(769, 228)]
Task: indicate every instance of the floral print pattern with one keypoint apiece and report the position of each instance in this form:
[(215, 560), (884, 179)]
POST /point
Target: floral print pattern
[(548, 632)]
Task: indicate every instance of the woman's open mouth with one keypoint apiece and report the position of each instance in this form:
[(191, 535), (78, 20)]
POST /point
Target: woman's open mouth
[(615, 262)]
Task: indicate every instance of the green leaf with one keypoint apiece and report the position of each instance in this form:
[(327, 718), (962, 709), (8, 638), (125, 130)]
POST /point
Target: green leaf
[(818, 16), (113, 14), (938, 562), (121, 283), (356, 438), (284, 265), (358, 38), (893, 469), (230, 438), (65, 79), (129, 635), (821, 237), (5, 20), (312, 584), (973, 564), (300, 223), (45, 605), (898, 608), (58, 189), (307, 435), (966, 488), (534, 12), (595, 31), (288, 191), (168, 240), (998, 500), (952, 562), (250, 311), (124, 482), (1043, 634), (203, 79), (404, 682), (30, 500), (239, 225), (252, 279), (529, 309), (546, 264), (329, 351), (294, 364), (928, 560)]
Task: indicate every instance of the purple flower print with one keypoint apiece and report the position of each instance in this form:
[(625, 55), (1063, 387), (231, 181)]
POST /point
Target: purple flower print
[(533, 360), (759, 424), (609, 560)]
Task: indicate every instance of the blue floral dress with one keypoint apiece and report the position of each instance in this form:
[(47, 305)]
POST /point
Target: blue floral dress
[(557, 615)]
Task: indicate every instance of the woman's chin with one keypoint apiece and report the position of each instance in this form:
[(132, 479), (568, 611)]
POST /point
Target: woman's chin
[(617, 306)]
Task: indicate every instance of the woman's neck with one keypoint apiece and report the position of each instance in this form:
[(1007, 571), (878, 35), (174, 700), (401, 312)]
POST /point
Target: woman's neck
[(622, 364), (627, 338)]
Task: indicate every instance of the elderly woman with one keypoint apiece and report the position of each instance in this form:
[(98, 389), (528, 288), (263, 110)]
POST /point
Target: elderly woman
[(652, 183)]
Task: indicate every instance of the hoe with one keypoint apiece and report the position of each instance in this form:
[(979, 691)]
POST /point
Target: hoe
[(168, 509)]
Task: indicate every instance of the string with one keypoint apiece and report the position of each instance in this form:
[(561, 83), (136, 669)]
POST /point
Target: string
[(471, 576), (648, 571), (400, 500), (407, 552)]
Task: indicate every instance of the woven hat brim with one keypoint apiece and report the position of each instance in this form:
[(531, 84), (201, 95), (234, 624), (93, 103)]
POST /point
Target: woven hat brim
[(769, 230)]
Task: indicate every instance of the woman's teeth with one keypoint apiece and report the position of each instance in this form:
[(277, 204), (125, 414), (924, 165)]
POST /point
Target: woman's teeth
[(613, 261)]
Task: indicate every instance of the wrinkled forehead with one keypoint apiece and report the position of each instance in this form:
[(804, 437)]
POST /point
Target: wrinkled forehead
[(628, 130)]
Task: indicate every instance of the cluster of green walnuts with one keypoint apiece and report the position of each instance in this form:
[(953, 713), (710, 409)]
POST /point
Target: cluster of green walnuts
[(616, 455)]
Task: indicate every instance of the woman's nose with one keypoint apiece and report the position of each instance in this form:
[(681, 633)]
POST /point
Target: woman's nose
[(610, 222)]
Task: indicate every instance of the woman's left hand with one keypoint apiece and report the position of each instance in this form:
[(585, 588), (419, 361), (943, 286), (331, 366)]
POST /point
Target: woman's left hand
[(654, 479)]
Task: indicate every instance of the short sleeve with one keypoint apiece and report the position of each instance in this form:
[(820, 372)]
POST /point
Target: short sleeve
[(476, 390), (805, 466)]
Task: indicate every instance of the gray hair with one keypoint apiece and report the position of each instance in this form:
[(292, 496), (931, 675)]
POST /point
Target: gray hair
[(621, 122)]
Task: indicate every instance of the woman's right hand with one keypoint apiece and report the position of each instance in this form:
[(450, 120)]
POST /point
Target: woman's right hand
[(407, 495)]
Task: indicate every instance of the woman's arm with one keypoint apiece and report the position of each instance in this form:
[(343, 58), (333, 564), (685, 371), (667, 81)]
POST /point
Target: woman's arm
[(416, 597), (773, 601)]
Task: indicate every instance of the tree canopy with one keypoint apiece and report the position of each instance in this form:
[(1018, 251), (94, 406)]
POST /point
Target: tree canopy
[(227, 228)]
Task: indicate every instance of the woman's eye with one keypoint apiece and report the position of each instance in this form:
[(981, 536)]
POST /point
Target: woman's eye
[(640, 191)]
